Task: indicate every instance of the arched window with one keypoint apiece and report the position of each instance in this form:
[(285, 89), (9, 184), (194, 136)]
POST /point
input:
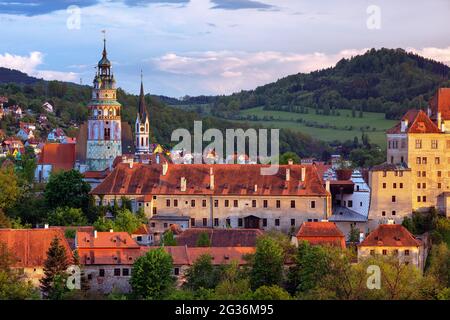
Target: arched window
[(146, 127)]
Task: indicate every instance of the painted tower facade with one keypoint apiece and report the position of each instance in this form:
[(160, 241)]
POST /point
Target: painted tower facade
[(104, 124), (142, 126)]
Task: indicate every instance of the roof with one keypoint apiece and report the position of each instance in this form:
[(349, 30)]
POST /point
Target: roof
[(30, 246), (95, 174), (390, 167), (418, 122), (229, 179), (321, 233), (390, 235), (104, 240), (220, 237), (441, 103), (345, 214), (60, 155), (143, 229)]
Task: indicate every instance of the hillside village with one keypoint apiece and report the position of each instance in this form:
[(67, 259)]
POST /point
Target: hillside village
[(113, 197)]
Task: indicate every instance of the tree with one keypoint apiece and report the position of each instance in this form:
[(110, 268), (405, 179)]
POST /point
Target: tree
[(67, 188), (234, 285), (202, 274), (353, 235), (12, 285), (126, 221), (151, 277), (273, 292), (203, 240), (285, 157), (5, 222), (168, 239), (267, 263), (53, 284), (65, 216), (439, 264), (9, 188)]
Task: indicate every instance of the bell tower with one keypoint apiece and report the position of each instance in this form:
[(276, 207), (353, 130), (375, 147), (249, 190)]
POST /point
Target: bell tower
[(104, 123), (142, 125)]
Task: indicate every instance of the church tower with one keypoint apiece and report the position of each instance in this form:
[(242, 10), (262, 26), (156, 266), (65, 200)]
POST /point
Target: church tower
[(104, 124), (142, 127)]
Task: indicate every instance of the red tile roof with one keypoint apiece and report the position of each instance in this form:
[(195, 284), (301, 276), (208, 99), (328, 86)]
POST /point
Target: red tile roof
[(30, 245), (321, 233), (390, 235), (96, 174), (220, 237), (60, 155), (418, 122), (143, 229), (230, 179), (105, 240), (441, 103)]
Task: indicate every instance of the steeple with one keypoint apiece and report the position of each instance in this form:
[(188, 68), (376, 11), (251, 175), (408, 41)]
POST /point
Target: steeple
[(142, 109)]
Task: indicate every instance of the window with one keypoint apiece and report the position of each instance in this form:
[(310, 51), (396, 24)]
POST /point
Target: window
[(192, 222), (168, 203), (116, 272), (424, 174), (216, 222), (192, 203), (418, 160), (277, 222), (418, 185), (384, 185), (439, 174), (437, 160), (265, 204), (227, 203), (313, 204), (360, 203), (439, 185), (292, 222), (406, 252), (203, 203), (400, 173), (418, 144), (424, 185), (216, 203), (418, 198), (384, 173), (153, 224), (394, 185), (235, 203), (126, 272), (383, 213), (154, 210), (393, 199), (107, 134), (228, 222), (101, 272), (372, 252), (350, 203), (254, 203), (393, 212), (424, 160), (165, 225), (176, 271), (292, 204), (205, 222), (278, 204), (139, 238), (424, 199), (240, 222), (434, 144), (395, 252), (418, 174), (384, 252), (264, 222), (401, 185), (175, 203)]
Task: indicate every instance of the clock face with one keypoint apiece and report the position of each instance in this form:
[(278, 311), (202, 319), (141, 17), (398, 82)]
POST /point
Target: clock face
[(142, 129)]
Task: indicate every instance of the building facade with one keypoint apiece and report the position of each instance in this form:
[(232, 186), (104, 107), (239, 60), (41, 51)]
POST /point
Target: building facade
[(104, 122), (142, 126)]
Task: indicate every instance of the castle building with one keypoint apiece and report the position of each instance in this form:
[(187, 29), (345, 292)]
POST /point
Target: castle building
[(142, 126), (416, 176), (104, 141)]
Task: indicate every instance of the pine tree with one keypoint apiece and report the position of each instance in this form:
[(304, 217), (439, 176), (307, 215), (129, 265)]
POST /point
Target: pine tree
[(53, 284)]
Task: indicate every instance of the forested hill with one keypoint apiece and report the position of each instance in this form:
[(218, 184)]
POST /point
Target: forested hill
[(385, 80), (10, 75)]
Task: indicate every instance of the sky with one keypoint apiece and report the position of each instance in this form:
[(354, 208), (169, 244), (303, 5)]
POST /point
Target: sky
[(194, 47)]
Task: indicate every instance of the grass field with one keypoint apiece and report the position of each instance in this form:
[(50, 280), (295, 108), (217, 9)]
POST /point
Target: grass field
[(374, 124)]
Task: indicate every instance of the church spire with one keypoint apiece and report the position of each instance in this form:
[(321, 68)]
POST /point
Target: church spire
[(142, 109)]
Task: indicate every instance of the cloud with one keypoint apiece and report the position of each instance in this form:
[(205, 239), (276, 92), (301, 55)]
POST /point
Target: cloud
[(28, 65), (240, 4), (38, 7), (224, 72), (438, 54)]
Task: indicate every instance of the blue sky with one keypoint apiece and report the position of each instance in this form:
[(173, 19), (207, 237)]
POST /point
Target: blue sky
[(211, 46)]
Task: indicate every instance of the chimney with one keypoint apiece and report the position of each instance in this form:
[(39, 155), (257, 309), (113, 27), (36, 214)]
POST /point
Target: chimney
[(390, 221), (303, 174), (95, 234), (183, 184), (165, 167), (211, 178), (327, 185), (288, 174), (290, 162), (404, 125), (46, 226), (256, 188)]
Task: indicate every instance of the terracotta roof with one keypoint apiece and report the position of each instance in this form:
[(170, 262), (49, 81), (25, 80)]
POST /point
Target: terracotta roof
[(220, 237), (418, 122), (321, 233), (230, 179), (105, 240), (390, 235), (143, 229), (222, 255), (96, 174), (441, 103), (60, 156), (30, 245), (321, 169)]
